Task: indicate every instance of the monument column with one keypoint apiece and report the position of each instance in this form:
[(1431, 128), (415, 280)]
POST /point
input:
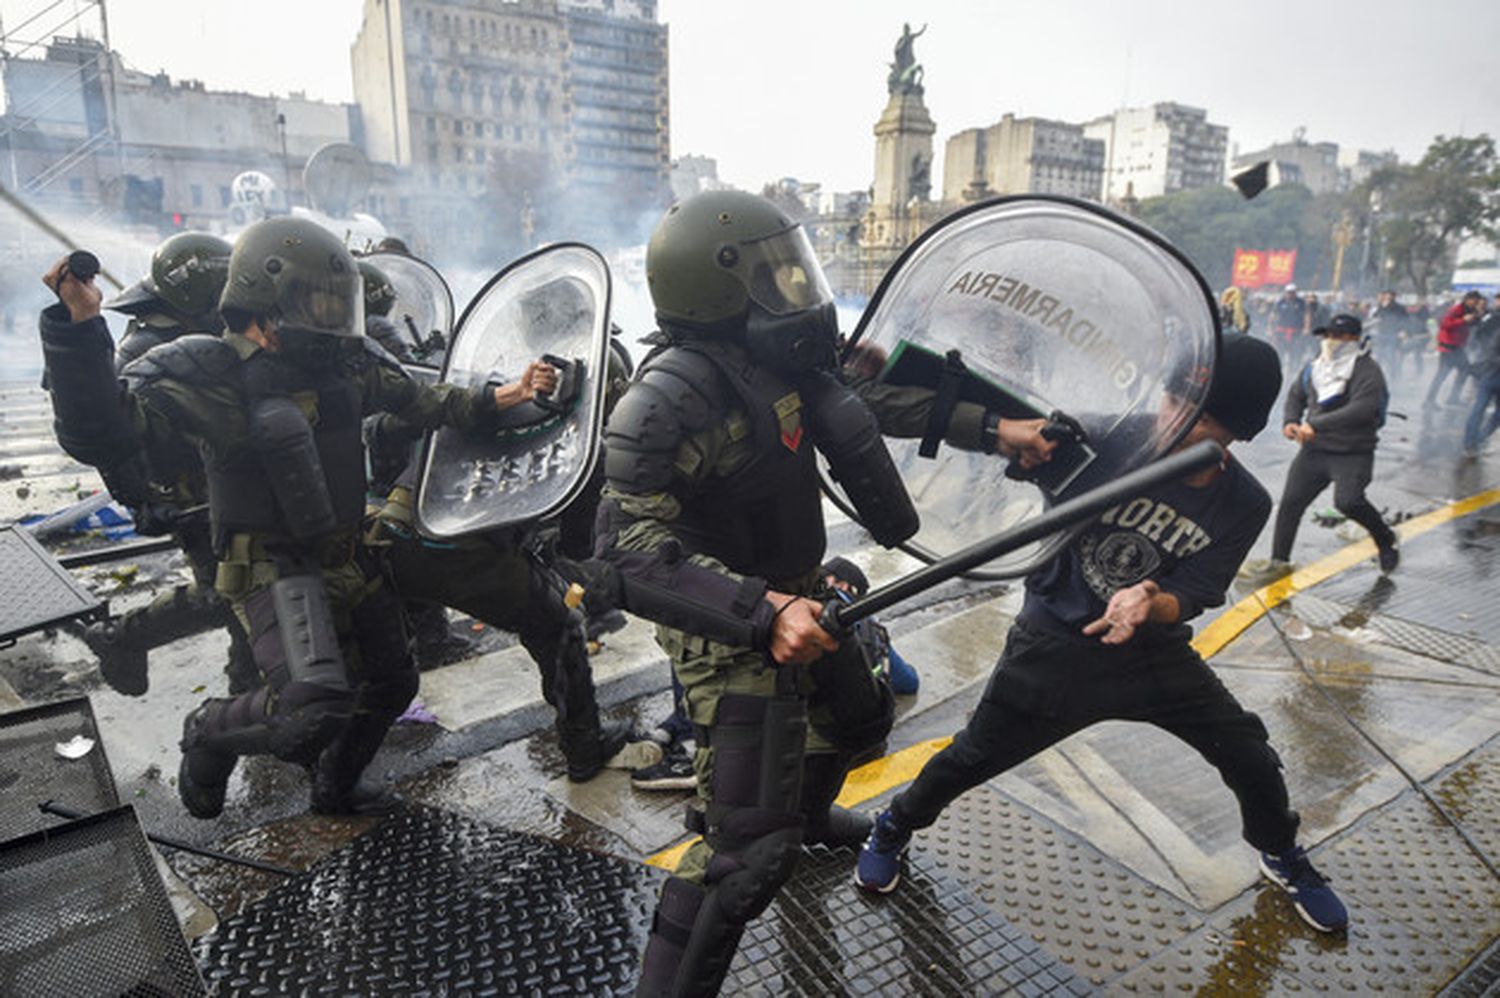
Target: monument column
[(900, 206)]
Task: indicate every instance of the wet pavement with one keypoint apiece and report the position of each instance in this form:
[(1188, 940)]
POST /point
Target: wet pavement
[(1112, 862)]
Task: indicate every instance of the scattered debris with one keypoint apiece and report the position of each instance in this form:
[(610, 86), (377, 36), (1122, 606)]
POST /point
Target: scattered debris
[(76, 747)]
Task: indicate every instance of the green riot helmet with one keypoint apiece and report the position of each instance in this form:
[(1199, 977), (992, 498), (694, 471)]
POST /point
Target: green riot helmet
[(380, 296), (188, 271), (300, 276), (727, 258)]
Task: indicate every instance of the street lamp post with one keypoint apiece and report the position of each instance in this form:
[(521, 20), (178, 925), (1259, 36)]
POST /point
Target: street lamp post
[(286, 163)]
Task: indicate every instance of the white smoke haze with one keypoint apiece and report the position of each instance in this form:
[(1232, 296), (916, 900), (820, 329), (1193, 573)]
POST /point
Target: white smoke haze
[(26, 253)]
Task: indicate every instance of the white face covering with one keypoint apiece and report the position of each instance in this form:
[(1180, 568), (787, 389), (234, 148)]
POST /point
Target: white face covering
[(1334, 349), (1333, 367)]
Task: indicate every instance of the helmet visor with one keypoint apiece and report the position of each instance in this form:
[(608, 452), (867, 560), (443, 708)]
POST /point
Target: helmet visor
[(782, 273), (332, 304)]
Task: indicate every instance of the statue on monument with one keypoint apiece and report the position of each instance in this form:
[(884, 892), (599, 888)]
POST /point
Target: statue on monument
[(919, 183), (906, 73)]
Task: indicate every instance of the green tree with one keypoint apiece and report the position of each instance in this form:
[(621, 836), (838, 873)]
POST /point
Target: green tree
[(1210, 223), (1424, 210)]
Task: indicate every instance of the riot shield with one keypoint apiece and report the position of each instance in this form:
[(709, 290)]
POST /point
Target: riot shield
[(424, 305), (551, 304), (1030, 306)]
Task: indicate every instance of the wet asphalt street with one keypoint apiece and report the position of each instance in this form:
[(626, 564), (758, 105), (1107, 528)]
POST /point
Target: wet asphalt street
[(1111, 862)]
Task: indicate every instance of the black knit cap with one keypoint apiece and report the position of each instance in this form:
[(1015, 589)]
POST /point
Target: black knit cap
[(1247, 382), (845, 570)]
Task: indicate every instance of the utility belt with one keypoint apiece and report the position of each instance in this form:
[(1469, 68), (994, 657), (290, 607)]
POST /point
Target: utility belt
[(254, 561)]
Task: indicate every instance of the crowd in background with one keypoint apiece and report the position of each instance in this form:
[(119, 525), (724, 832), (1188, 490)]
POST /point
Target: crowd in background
[(1460, 336)]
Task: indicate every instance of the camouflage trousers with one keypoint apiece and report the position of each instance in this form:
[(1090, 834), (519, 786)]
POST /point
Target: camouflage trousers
[(710, 671)]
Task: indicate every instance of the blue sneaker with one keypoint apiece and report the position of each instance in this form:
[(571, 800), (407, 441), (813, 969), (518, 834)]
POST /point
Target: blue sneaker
[(904, 678), (879, 866), (1311, 895)]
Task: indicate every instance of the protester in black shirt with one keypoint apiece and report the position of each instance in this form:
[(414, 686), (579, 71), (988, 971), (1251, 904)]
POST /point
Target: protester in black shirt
[(1102, 635)]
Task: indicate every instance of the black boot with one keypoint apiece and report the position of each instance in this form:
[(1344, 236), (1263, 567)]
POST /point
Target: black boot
[(587, 747), (337, 788), (827, 823), (436, 643), (122, 644), (203, 776), (839, 827), (122, 663), (690, 947), (241, 671)]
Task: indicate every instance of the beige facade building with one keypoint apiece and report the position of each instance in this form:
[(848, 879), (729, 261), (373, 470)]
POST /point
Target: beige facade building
[(1150, 151), (519, 116), (1022, 156)]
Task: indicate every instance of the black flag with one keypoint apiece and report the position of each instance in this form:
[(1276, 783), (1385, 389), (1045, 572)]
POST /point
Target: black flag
[(1253, 180)]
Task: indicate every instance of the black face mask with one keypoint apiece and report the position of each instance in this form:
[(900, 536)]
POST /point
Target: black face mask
[(316, 353), (794, 344)]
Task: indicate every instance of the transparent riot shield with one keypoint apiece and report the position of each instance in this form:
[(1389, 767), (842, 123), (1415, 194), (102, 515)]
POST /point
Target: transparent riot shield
[(1030, 306), (554, 305), (424, 305)]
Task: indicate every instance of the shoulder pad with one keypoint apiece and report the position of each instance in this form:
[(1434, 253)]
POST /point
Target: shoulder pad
[(691, 381), (669, 400), (196, 359), (141, 336), (376, 354)]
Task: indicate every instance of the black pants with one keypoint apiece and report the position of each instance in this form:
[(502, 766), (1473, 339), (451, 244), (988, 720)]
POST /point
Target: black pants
[(1310, 474), (1449, 362), (1047, 687)]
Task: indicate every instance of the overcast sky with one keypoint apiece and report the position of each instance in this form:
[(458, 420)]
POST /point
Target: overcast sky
[(775, 88)]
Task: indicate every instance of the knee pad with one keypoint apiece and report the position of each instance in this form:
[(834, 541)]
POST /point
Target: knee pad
[(307, 717), (292, 635), (743, 881)]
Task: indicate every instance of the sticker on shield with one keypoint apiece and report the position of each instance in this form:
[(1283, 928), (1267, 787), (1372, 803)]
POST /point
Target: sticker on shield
[(552, 305), (1034, 308), (424, 305)]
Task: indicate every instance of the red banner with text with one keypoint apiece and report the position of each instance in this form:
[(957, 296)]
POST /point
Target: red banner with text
[(1249, 268), (1255, 268), (1280, 266)]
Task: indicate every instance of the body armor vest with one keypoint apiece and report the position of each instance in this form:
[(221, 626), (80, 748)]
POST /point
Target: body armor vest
[(765, 518), (292, 476)]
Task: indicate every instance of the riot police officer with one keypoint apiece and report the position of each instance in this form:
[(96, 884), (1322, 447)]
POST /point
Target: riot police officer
[(180, 295), (380, 298), (275, 406), (712, 518)]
